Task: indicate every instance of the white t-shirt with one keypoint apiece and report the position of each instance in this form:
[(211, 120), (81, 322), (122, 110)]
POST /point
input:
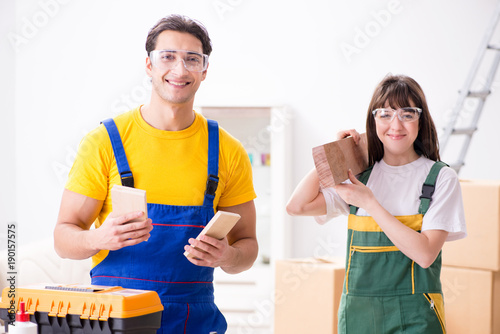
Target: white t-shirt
[(398, 188)]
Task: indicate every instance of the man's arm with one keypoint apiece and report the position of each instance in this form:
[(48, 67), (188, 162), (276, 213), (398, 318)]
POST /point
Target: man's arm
[(74, 239), (235, 253)]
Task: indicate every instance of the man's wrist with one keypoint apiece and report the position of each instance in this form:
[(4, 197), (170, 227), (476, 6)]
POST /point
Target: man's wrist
[(88, 242), (233, 259)]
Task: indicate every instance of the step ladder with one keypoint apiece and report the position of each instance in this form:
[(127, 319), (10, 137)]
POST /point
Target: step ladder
[(467, 94)]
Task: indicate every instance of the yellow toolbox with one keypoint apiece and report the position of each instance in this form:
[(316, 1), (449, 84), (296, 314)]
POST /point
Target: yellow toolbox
[(84, 309)]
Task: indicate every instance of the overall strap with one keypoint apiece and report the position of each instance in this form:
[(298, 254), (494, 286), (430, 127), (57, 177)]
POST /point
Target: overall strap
[(213, 162), (429, 186), (121, 158), (363, 178)]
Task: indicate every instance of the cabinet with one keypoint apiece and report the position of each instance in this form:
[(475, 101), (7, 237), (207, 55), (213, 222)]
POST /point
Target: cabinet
[(247, 299)]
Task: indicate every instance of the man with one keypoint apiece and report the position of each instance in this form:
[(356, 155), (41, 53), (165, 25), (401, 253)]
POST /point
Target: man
[(189, 169)]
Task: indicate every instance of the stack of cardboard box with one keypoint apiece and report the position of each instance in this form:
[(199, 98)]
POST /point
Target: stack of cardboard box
[(471, 266), (307, 295)]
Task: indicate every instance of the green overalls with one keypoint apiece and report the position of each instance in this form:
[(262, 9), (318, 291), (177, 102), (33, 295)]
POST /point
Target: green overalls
[(384, 290)]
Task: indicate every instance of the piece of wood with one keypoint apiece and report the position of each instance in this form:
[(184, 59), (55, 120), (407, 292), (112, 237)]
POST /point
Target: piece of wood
[(219, 226), (333, 160), (126, 200)]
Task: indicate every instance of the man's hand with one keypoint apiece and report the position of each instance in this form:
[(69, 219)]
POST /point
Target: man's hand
[(116, 233), (74, 238), (210, 252), (236, 252)]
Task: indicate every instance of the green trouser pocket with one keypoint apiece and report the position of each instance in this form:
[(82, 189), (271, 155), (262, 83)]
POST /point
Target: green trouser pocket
[(378, 271), (408, 314), (436, 304), (423, 313)]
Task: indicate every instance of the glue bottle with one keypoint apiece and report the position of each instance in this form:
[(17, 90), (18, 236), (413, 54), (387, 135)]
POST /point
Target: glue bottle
[(23, 324)]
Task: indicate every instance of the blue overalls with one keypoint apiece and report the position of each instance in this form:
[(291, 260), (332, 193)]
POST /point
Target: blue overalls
[(186, 290)]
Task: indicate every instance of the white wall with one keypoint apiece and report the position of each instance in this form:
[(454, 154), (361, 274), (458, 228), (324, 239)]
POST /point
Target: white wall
[(7, 124), (78, 62)]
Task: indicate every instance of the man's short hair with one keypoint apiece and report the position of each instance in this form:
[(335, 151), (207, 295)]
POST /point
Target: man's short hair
[(179, 23)]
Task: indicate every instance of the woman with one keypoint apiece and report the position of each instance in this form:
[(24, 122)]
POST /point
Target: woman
[(396, 225)]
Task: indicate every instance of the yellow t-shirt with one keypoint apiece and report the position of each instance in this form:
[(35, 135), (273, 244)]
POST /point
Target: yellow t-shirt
[(170, 165)]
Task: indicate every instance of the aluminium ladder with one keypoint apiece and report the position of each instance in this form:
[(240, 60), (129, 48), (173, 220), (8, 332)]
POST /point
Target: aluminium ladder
[(467, 93)]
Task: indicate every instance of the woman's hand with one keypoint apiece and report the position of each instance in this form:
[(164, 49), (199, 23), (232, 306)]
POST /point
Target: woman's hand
[(357, 193), (346, 133)]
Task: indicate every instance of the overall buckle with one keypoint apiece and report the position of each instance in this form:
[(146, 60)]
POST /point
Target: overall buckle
[(127, 179), (212, 183), (427, 191)]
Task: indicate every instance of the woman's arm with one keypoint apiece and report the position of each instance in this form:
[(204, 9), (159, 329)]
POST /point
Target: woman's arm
[(306, 199), (423, 248)]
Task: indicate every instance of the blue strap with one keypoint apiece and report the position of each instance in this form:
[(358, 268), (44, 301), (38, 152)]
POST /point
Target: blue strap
[(120, 156), (213, 162), (213, 158)]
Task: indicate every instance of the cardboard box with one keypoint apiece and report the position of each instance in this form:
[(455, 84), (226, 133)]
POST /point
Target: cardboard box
[(307, 295), (471, 300), (481, 248)]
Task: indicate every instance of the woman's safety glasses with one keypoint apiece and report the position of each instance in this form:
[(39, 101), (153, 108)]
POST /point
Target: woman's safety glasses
[(386, 115)]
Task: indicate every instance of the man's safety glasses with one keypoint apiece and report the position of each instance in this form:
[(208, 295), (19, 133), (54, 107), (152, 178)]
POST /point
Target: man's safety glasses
[(168, 59), (386, 115)]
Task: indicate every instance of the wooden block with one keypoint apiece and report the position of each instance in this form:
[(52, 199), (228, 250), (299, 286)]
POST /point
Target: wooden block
[(333, 160), (126, 200), (219, 226)]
